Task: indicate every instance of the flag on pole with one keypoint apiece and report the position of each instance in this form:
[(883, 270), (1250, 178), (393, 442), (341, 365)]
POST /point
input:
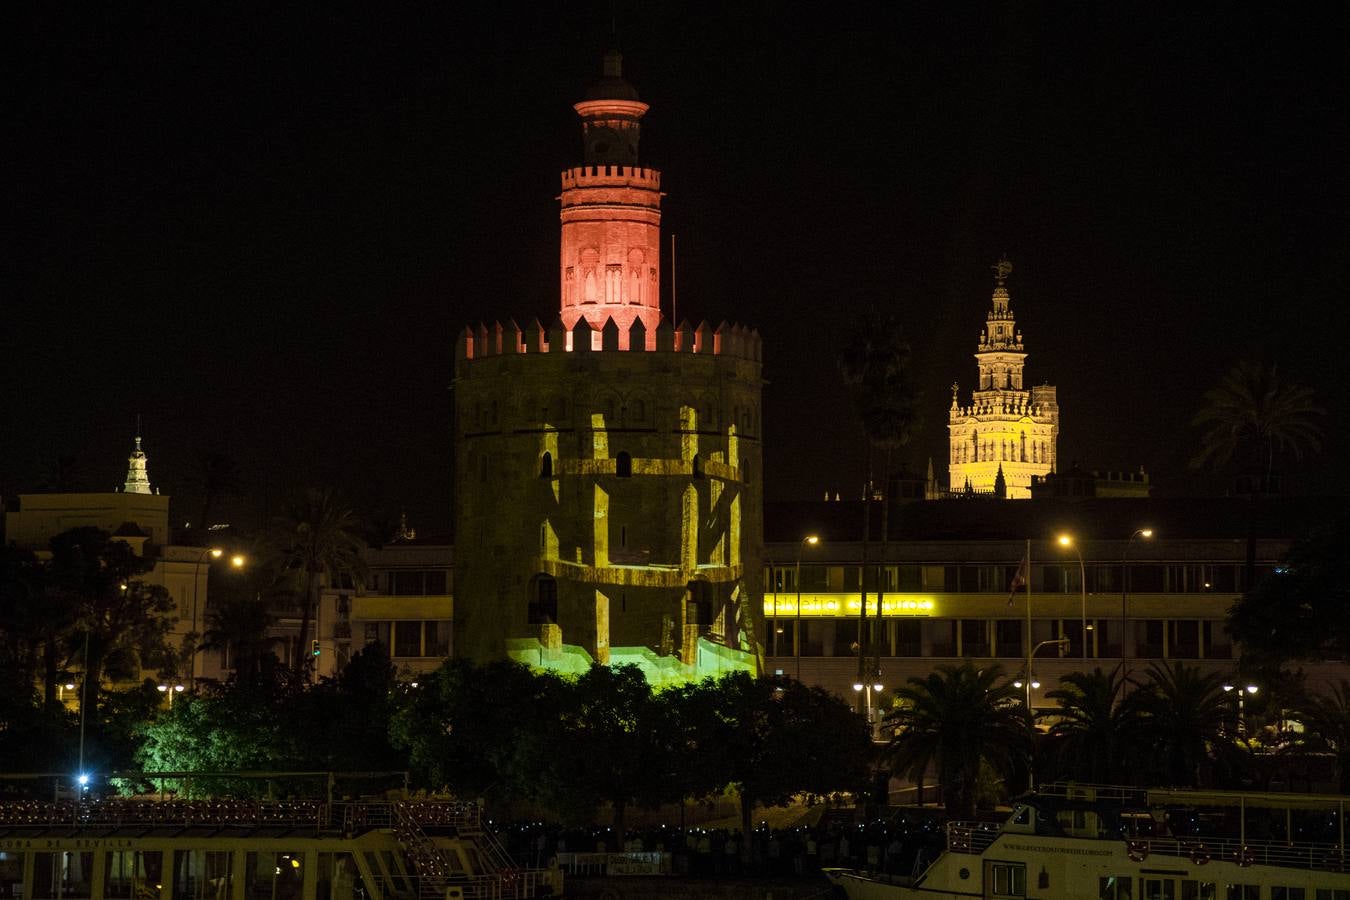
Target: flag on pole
[(1019, 578)]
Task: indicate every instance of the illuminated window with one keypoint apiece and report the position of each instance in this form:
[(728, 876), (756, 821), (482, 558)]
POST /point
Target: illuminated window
[(623, 464)]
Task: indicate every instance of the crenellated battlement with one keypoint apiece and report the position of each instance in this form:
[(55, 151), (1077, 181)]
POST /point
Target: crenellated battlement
[(498, 339), (611, 176)]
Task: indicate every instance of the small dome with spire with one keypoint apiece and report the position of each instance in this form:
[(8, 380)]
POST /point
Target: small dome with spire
[(612, 85), (138, 478)]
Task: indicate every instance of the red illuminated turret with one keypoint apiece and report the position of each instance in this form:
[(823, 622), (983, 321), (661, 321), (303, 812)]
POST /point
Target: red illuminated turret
[(610, 263)]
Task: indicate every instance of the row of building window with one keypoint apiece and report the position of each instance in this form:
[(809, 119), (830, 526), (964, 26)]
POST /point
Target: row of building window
[(994, 578), (408, 639), (1000, 638)]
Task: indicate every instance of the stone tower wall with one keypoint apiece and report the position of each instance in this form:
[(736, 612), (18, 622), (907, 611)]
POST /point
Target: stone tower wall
[(622, 550)]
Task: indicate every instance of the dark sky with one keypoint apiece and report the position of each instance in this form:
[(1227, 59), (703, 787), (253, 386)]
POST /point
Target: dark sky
[(262, 232)]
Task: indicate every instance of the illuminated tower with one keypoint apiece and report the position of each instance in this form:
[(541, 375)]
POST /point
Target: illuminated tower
[(138, 478), (1006, 428), (607, 467), (610, 264)]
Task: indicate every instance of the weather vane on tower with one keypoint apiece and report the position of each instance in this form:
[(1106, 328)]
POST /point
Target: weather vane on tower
[(1002, 269)]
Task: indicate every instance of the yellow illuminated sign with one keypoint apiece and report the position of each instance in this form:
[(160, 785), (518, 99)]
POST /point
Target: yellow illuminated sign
[(833, 604)]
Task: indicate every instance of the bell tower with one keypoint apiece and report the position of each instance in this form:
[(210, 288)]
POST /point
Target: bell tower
[(610, 261), (1008, 434)]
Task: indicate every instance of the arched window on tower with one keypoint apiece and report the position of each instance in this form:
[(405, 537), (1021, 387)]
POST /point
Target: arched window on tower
[(623, 464), (543, 605), (697, 466), (546, 465)]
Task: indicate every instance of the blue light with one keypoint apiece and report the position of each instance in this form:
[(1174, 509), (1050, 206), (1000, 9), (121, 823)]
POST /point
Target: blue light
[(83, 779)]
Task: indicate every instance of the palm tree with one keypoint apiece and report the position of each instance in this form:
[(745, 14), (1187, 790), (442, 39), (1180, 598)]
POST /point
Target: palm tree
[(1185, 714), (953, 719), (238, 624), (317, 536), (1095, 728), (874, 363), (1326, 720), (1252, 413)]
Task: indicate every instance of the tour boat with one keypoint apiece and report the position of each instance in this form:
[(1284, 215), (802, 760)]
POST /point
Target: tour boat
[(236, 849), (1112, 843)]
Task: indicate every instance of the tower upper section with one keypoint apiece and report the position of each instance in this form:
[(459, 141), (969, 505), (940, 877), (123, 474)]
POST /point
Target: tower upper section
[(1000, 357), (138, 478), (610, 260)]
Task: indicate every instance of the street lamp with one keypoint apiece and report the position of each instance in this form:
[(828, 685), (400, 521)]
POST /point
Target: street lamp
[(867, 690), (797, 636), (170, 689), (1066, 540), (237, 561), (1146, 533), (1029, 683), (1241, 704)]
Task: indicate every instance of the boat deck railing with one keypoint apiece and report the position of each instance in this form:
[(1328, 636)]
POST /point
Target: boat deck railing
[(320, 815), (976, 837)]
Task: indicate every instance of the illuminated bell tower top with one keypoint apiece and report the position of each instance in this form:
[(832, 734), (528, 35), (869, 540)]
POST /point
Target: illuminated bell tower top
[(1000, 357), (138, 479), (610, 260)]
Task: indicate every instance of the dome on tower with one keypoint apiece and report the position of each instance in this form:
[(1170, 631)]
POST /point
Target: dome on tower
[(611, 85)]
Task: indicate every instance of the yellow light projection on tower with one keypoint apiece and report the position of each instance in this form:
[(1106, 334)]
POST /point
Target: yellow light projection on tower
[(1007, 434), (609, 462)]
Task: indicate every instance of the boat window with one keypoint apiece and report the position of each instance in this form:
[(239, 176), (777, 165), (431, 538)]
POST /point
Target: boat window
[(1023, 816), (132, 873), (1244, 892), (1008, 879), (199, 874), (274, 876), (11, 873), (1288, 893), (65, 874), (339, 878), (1208, 890), (1116, 887), (1159, 889)]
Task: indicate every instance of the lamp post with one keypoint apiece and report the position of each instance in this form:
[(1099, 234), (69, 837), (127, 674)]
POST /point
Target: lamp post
[(1030, 682), (170, 689), (1066, 540), (1145, 533), (237, 561), (1242, 693), (797, 634), (867, 690), (214, 553), (80, 775)]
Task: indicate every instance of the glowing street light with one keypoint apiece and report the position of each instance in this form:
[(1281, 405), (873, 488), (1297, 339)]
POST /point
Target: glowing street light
[(170, 690), (237, 561), (797, 638), (1242, 693), (1066, 540), (876, 687), (1146, 534)]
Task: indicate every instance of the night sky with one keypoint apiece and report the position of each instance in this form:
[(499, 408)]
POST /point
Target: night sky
[(263, 233)]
